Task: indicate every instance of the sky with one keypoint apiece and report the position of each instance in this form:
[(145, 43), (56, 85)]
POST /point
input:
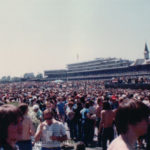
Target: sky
[(38, 35)]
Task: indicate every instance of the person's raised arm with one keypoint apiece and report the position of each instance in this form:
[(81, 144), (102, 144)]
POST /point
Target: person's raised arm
[(38, 133)]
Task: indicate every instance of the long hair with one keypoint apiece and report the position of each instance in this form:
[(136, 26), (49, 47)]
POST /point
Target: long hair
[(8, 114), (23, 108), (106, 105)]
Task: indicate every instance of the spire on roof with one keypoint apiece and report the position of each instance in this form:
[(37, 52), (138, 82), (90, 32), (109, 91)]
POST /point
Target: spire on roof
[(146, 52), (146, 48)]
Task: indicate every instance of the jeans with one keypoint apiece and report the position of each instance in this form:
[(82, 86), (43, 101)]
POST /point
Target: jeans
[(107, 134), (148, 139), (87, 131), (72, 127), (25, 145)]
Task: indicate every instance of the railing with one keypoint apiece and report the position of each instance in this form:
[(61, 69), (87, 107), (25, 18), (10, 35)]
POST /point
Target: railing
[(130, 86)]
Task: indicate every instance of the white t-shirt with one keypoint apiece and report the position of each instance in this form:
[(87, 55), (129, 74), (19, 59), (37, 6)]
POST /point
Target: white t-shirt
[(55, 129)]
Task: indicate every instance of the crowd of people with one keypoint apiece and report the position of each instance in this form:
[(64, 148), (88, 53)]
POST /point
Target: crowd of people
[(43, 110), (130, 80)]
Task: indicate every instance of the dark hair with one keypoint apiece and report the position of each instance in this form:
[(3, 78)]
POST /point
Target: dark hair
[(80, 146), (91, 103), (106, 105), (79, 104), (8, 114), (23, 108), (70, 103), (99, 100), (48, 111), (129, 113), (87, 105)]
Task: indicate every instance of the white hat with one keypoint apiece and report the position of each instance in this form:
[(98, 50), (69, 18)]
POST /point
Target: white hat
[(35, 107)]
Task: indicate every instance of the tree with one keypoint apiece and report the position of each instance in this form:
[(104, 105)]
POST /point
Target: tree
[(39, 76), (29, 75), (6, 78)]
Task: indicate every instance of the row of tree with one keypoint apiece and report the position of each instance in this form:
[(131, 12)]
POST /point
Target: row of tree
[(27, 76)]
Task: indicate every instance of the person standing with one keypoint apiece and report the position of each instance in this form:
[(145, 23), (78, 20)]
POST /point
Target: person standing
[(61, 109), (131, 122), (106, 123), (77, 120), (28, 130), (10, 127), (38, 112), (51, 132), (85, 123), (71, 121), (98, 119)]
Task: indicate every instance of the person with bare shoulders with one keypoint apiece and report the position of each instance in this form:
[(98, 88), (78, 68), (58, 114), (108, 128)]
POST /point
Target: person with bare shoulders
[(28, 130), (131, 122), (98, 111), (106, 123), (98, 118)]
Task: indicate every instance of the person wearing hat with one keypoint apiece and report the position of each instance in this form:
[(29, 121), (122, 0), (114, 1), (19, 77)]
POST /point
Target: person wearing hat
[(38, 112)]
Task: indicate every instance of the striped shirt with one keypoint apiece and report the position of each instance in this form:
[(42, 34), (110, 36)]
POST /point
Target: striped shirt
[(55, 129)]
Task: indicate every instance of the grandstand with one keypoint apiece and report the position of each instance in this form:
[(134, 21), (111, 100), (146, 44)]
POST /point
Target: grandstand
[(104, 68), (56, 75), (96, 69)]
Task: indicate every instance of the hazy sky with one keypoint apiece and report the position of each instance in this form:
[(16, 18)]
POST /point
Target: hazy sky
[(38, 35)]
